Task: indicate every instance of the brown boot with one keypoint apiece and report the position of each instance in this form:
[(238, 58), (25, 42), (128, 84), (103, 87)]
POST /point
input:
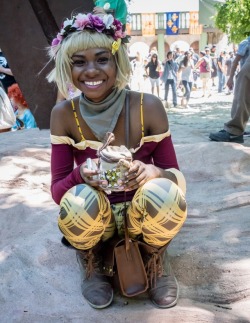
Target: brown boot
[(95, 286), (164, 289)]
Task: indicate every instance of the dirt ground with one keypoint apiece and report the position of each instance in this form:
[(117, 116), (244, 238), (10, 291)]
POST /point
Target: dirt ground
[(40, 279)]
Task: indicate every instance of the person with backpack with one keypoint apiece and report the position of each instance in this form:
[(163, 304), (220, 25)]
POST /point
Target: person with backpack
[(204, 66)]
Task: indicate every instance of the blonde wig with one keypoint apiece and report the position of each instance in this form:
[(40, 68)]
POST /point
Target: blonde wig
[(82, 40)]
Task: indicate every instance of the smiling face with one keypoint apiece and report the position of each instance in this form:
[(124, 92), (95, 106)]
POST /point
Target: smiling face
[(94, 72), (88, 56)]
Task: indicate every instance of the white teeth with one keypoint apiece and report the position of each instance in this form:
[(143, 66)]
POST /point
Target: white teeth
[(93, 83)]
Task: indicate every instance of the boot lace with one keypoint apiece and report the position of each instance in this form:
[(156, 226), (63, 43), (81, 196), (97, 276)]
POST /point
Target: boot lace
[(92, 262), (154, 268)]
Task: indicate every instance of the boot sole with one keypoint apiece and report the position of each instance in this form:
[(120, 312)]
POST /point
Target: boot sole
[(101, 306)]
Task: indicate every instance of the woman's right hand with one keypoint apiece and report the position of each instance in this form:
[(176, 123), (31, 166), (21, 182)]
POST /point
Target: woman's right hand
[(91, 176)]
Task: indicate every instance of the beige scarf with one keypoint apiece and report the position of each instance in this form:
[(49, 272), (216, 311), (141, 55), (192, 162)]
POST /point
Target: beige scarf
[(102, 117)]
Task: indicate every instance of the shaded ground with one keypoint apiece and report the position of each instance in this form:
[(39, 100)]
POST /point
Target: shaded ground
[(40, 279)]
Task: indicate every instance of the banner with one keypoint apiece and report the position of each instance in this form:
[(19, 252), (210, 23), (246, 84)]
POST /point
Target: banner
[(172, 23), (148, 24), (194, 27)]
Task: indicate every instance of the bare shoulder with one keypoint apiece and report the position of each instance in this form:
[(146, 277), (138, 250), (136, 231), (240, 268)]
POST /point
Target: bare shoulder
[(60, 118), (154, 114)]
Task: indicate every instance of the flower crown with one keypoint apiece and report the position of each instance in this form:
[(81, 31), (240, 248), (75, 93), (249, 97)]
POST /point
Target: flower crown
[(106, 24)]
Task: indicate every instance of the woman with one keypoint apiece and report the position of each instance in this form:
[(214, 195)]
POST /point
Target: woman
[(169, 77), (91, 54), (153, 69), (137, 72), (205, 73), (186, 69), (24, 117)]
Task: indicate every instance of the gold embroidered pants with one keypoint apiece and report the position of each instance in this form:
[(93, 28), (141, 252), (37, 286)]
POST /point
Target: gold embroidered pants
[(156, 213)]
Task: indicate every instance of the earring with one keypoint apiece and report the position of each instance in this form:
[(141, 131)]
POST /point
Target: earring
[(71, 90)]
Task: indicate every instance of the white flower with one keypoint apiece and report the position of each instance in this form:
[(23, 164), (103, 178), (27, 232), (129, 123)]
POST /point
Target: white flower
[(108, 20), (67, 22), (106, 6), (81, 16)]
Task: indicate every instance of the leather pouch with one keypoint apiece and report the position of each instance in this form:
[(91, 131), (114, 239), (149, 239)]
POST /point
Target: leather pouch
[(130, 268)]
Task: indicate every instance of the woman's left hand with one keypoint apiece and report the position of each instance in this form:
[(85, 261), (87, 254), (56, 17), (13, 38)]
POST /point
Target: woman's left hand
[(138, 174)]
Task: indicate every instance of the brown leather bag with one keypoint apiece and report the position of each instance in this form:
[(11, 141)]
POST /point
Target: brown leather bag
[(130, 266), (123, 259)]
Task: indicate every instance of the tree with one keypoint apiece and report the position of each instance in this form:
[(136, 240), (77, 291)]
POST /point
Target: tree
[(233, 18)]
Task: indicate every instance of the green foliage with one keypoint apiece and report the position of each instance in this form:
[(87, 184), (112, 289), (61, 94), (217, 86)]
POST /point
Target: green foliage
[(233, 18)]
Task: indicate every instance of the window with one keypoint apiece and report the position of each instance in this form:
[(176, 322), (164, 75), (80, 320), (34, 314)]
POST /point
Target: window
[(184, 19), (160, 21), (135, 22)]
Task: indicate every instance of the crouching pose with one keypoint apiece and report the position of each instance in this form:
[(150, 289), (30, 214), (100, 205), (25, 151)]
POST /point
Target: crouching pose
[(90, 55)]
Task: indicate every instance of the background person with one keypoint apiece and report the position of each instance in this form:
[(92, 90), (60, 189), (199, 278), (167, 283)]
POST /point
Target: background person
[(117, 8), (169, 77), (214, 63), (234, 129), (7, 116), (97, 63), (153, 69), (186, 70), (205, 73), (228, 66), (24, 117), (221, 71), (6, 75), (138, 70), (242, 53)]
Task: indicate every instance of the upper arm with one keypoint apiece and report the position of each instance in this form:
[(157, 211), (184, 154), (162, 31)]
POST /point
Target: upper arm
[(155, 116), (59, 119)]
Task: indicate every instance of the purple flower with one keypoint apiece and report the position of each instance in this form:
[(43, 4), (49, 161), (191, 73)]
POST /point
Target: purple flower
[(117, 24), (97, 23)]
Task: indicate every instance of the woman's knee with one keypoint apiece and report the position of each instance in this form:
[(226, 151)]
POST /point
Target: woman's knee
[(164, 211), (160, 193), (81, 198), (84, 215)]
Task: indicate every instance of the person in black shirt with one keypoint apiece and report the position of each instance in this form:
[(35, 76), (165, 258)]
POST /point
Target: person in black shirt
[(153, 71), (6, 76)]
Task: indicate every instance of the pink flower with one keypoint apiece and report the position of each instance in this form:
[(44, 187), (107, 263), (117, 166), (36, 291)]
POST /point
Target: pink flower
[(119, 34), (57, 40), (81, 21)]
